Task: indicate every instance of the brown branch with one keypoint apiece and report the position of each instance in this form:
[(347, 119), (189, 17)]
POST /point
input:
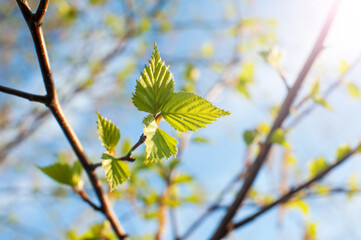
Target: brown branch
[(28, 96), (86, 198), (297, 189), (127, 157), (41, 11), (225, 227), (55, 108)]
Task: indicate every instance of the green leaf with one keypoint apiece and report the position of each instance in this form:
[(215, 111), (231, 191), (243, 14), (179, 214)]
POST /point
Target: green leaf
[(155, 87), (315, 88), (182, 178), (317, 166), (246, 77), (343, 151), (353, 90), (344, 67), (158, 144), (108, 133), (301, 205), (321, 101), (200, 140), (64, 173), (187, 111), (116, 171), (278, 137), (249, 136)]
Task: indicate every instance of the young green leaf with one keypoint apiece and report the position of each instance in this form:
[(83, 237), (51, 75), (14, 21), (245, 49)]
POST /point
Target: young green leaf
[(158, 144), (249, 136), (353, 90), (155, 86), (315, 88), (108, 133), (317, 166), (321, 101), (344, 67), (187, 111), (343, 151), (64, 173), (116, 171), (278, 136)]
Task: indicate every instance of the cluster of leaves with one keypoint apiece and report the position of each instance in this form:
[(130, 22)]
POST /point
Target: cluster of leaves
[(184, 111)]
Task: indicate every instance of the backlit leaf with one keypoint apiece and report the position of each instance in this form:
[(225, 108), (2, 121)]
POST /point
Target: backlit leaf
[(116, 171), (342, 151), (278, 137), (321, 101), (317, 166), (301, 205), (155, 87), (158, 144), (187, 111), (108, 133), (353, 90), (64, 173), (249, 136), (344, 67), (315, 88)]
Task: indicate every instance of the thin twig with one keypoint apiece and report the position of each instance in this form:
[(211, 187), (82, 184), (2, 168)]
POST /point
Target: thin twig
[(28, 96), (297, 189), (54, 106), (127, 157), (328, 92), (41, 11), (225, 227), (86, 198)]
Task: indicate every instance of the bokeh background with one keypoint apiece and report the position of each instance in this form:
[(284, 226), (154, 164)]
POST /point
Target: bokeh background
[(230, 51)]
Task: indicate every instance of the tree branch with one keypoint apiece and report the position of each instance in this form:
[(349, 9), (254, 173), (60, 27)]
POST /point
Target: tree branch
[(85, 198), (127, 157), (224, 227), (55, 108), (28, 96), (41, 11), (297, 189)]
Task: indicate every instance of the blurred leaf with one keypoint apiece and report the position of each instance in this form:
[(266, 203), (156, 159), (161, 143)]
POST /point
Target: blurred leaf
[(145, 25), (150, 198), (315, 88), (97, 2), (322, 189), (278, 137), (301, 205), (187, 111), (182, 178), (116, 171), (126, 146), (310, 232), (343, 151), (249, 136), (353, 90), (155, 87), (353, 185), (344, 67), (158, 144), (263, 128), (246, 77), (272, 56), (64, 173), (109, 134), (321, 101), (200, 140), (317, 166), (207, 49), (150, 215)]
